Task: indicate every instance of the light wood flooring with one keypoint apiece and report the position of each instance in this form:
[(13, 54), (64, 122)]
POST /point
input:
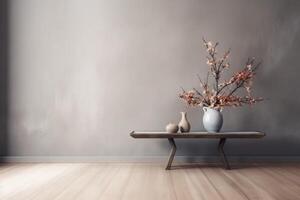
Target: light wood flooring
[(137, 181)]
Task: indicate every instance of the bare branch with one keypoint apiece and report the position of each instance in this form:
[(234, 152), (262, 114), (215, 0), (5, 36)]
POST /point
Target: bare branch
[(182, 89)]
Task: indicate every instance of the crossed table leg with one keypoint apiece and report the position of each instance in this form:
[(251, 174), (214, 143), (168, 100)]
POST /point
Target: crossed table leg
[(220, 148), (172, 153)]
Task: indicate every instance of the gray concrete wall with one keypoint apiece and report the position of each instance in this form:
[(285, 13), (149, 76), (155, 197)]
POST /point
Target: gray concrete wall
[(83, 73)]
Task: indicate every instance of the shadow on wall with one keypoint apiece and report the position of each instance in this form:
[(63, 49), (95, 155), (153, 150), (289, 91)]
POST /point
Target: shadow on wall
[(278, 81), (4, 51)]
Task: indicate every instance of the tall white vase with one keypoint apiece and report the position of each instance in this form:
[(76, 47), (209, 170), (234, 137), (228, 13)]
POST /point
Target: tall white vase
[(184, 125)]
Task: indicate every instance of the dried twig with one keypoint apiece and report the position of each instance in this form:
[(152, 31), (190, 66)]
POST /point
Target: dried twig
[(216, 96)]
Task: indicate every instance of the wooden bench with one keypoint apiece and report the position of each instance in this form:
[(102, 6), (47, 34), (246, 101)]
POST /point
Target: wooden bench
[(195, 135)]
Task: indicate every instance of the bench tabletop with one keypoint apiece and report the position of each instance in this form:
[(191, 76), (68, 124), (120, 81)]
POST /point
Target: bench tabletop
[(145, 134)]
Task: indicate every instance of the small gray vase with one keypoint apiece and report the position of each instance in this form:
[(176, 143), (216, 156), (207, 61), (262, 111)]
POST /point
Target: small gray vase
[(212, 120), (184, 125)]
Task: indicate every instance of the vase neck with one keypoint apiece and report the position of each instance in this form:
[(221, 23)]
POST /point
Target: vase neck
[(216, 109)]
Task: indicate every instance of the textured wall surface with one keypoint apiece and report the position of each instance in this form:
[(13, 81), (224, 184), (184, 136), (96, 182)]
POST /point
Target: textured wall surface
[(83, 73)]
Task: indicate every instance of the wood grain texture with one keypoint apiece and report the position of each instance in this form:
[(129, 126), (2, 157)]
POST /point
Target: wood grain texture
[(142, 134), (138, 181)]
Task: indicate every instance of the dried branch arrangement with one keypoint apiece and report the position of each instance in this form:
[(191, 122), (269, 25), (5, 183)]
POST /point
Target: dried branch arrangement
[(221, 94)]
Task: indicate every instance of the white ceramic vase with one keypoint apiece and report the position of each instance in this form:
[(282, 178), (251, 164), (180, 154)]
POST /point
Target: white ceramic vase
[(212, 120), (184, 125)]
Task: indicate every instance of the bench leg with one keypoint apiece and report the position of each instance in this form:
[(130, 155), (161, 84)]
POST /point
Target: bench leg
[(172, 153), (222, 154)]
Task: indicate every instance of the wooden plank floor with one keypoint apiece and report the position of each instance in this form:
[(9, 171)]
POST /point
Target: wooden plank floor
[(134, 181)]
